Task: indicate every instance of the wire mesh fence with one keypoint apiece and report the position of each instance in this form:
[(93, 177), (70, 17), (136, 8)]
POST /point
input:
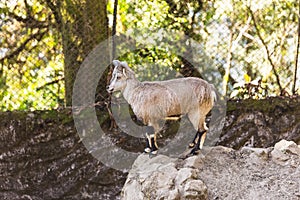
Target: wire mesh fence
[(248, 49)]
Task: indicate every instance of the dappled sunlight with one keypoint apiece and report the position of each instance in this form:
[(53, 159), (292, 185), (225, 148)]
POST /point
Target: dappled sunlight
[(228, 40)]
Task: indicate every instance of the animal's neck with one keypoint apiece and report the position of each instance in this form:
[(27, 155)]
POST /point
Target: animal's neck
[(132, 83)]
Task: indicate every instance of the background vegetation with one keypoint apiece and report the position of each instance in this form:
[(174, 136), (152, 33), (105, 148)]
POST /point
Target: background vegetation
[(249, 46)]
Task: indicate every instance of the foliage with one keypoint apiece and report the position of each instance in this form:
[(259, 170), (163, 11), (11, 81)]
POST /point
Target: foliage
[(31, 76), (239, 38), (43, 44), (246, 48)]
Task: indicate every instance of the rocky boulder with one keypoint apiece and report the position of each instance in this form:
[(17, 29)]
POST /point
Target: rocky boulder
[(261, 123), (218, 173)]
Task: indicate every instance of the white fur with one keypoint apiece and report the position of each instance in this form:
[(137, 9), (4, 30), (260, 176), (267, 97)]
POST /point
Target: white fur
[(154, 101)]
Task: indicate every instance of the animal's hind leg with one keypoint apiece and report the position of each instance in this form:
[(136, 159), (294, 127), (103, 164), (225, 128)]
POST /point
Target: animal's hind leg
[(195, 140), (203, 136), (198, 137), (199, 145), (198, 122)]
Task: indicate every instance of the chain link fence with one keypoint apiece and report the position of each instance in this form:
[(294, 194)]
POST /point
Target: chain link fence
[(248, 49)]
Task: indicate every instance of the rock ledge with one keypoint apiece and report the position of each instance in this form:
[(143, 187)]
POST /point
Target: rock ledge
[(218, 173)]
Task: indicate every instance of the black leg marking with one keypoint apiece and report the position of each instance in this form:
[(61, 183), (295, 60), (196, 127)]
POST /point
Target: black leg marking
[(153, 145), (197, 147), (148, 147), (149, 133), (147, 143), (196, 138)]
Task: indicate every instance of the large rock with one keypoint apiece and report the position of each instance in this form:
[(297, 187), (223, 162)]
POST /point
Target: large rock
[(161, 177), (282, 152), (261, 123), (218, 173)]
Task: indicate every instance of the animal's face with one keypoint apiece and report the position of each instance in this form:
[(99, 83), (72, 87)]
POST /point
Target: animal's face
[(119, 77)]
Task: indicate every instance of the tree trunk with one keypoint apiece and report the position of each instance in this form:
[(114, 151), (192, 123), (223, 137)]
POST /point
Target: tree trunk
[(83, 25)]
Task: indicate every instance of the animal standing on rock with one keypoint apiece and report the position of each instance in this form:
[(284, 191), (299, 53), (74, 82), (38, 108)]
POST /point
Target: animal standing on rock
[(154, 101)]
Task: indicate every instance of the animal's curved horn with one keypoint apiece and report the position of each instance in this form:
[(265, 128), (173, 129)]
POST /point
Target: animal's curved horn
[(124, 64), (124, 73)]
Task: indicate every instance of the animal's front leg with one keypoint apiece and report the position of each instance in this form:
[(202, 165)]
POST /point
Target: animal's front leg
[(151, 145), (148, 142)]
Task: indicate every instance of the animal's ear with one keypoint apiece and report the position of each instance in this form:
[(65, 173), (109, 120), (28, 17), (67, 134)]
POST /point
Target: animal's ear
[(116, 63)]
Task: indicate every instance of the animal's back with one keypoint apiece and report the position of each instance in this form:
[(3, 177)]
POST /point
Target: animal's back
[(190, 91)]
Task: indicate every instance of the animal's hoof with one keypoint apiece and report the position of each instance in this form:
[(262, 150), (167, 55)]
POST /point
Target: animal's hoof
[(191, 145), (147, 150), (195, 151), (152, 154)]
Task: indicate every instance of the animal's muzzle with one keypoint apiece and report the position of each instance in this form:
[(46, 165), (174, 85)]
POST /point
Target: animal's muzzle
[(109, 90)]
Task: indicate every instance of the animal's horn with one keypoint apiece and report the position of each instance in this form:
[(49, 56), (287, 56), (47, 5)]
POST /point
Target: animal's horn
[(124, 73), (124, 64)]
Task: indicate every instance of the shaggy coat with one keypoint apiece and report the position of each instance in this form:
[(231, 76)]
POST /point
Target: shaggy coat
[(154, 101)]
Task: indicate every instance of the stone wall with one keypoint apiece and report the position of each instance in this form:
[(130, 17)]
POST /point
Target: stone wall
[(41, 156)]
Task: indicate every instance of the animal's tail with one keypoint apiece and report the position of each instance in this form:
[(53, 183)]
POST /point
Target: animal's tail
[(213, 95)]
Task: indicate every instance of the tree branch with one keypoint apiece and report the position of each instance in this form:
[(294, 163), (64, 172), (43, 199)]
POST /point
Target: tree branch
[(29, 21), (266, 49), (50, 83), (38, 36), (55, 10)]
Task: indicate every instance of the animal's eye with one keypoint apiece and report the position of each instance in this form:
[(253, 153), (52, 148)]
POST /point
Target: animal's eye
[(118, 77)]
